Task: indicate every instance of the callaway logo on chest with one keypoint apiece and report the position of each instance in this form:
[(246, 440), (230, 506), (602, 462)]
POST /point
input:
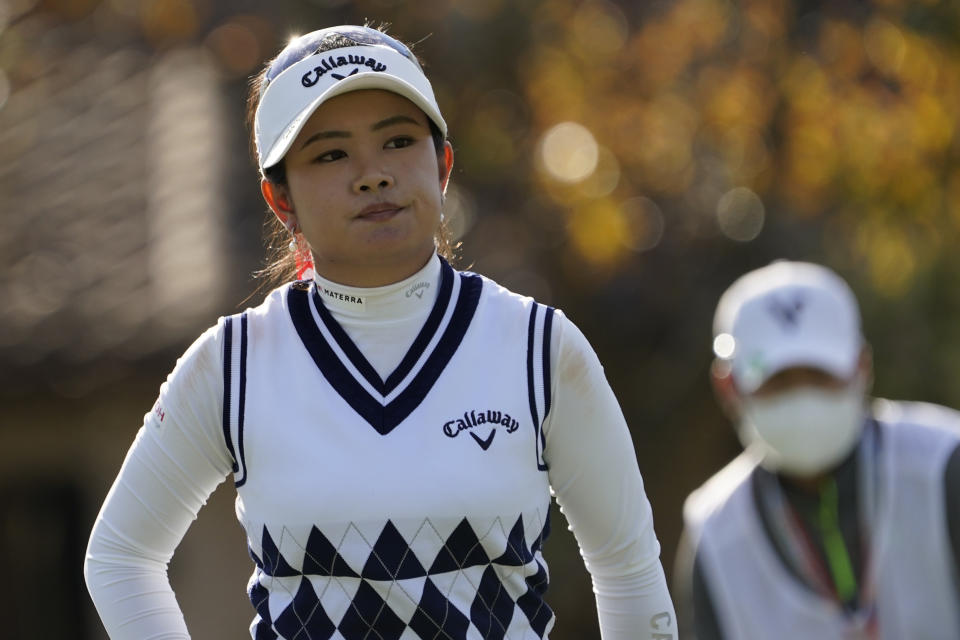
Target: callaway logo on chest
[(488, 419)]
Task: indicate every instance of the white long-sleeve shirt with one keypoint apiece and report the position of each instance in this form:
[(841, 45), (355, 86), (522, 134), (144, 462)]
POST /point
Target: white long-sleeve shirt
[(182, 453)]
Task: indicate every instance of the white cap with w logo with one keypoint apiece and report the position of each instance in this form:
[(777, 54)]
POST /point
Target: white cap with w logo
[(784, 315)]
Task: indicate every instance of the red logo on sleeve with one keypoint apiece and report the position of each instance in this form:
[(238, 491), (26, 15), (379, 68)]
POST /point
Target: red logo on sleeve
[(158, 410)]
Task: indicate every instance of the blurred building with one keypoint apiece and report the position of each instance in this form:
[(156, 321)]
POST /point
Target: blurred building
[(116, 239)]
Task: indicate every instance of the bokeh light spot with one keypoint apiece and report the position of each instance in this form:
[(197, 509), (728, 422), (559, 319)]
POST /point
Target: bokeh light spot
[(644, 224), (236, 47), (662, 145), (458, 212), (885, 45), (599, 29), (604, 178), (745, 151), (891, 260), (740, 214), (569, 152), (724, 346)]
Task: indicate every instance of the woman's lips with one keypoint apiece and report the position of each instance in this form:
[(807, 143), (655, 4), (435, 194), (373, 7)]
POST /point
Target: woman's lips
[(379, 212)]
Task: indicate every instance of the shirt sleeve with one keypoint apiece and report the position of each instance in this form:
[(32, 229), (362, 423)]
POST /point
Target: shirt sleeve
[(177, 459), (593, 473)]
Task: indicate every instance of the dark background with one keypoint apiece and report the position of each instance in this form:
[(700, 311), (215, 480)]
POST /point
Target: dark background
[(624, 161)]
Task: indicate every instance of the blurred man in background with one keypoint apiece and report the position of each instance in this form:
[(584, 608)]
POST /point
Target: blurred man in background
[(838, 520)]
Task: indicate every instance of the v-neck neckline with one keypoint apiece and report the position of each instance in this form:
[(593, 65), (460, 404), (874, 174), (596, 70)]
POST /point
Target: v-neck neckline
[(417, 347), (450, 316)]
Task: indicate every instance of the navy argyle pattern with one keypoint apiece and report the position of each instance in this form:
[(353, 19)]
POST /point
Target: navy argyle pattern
[(476, 578)]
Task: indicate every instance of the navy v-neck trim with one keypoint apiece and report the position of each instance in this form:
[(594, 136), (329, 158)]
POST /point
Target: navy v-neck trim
[(385, 417), (413, 354)]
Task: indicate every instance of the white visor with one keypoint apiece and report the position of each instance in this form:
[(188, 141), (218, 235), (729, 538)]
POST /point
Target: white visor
[(292, 97)]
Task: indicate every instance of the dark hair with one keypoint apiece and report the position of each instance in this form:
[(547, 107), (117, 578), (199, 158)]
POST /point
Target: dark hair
[(280, 263)]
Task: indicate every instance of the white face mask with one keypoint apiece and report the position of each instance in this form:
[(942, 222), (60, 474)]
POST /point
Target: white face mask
[(804, 431)]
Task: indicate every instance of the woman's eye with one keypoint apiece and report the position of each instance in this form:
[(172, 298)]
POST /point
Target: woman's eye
[(399, 142), (330, 156)]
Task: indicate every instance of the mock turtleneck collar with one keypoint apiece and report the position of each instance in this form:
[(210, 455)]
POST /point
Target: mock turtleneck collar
[(397, 300)]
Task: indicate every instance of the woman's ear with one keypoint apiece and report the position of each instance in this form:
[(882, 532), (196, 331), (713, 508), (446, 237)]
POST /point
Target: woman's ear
[(277, 198), (446, 165)]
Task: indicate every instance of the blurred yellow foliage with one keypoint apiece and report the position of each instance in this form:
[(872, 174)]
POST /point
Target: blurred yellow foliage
[(825, 115), (844, 117), (890, 258), (599, 232)]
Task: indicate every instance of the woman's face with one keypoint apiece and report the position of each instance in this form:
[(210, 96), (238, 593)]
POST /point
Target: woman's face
[(365, 184)]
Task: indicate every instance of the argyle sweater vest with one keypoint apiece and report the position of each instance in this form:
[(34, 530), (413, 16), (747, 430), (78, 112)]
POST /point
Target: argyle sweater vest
[(408, 507)]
